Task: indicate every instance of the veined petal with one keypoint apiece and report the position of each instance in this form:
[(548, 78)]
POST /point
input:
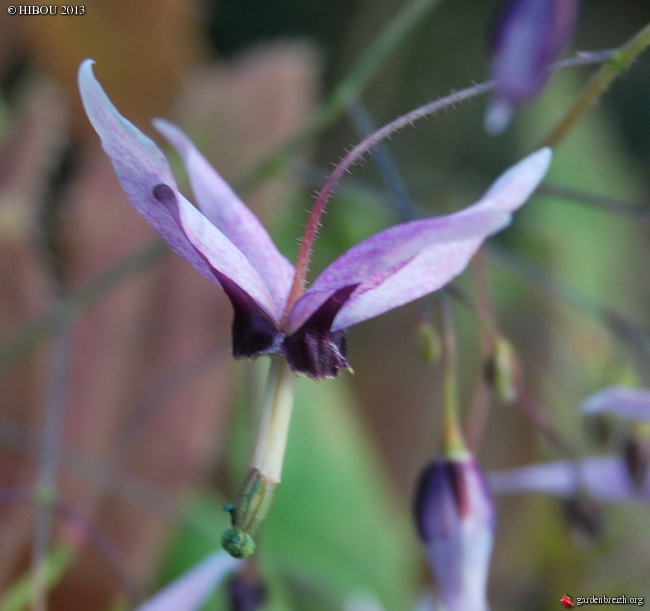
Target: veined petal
[(230, 215), (410, 260), (606, 478), (146, 178), (191, 590), (631, 403)]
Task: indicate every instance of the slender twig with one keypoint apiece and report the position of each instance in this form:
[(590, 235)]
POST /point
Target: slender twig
[(633, 334), (350, 87), (56, 391), (84, 529), (637, 212), (19, 344), (385, 164), (620, 59)]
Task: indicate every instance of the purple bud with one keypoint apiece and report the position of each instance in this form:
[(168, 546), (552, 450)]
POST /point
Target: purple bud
[(525, 39), (455, 519)]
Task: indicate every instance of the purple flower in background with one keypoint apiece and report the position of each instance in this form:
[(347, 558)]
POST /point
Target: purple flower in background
[(630, 403), (455, 519), (191, 590), (224, 241), (525, 39), (605, 478)]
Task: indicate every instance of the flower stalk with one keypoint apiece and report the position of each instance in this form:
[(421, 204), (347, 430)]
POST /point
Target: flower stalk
[(453, 441), (598, 84)]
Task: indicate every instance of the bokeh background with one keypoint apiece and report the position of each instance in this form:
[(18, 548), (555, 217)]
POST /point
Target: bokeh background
[(127, 348)]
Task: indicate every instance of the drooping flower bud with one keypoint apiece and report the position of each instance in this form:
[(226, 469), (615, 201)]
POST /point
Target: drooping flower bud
[(428, 342), (455, 519), (502, 371), (526, 37)]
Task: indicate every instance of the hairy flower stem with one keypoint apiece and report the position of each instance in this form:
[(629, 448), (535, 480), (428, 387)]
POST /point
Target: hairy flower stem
[(598, 84), (256, 493), (370, 143)]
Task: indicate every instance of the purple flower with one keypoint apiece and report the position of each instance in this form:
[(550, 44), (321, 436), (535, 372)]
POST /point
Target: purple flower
[(526, 38), (455, 519), (226, 243), (630, 403), (605, 478)]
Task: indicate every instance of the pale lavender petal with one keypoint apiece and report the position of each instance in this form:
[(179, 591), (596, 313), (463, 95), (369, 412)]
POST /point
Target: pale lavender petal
[(229, 214), (411, 260), (631, 403), (370, 263), (191, 590), (143, 171), (515, 185), (605, 478)]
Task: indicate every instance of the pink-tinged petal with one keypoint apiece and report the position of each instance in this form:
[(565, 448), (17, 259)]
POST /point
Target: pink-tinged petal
[(411, 260), (146, 178), (229, 214), (605, 478), (190, 591), (630, 403)]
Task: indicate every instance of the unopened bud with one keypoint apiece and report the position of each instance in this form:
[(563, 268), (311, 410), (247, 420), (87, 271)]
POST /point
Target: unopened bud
[(455, 519), (502, 371), (525, 39), (428, 342)]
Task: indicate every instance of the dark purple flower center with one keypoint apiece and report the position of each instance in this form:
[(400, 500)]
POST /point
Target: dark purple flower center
[(313, 350)]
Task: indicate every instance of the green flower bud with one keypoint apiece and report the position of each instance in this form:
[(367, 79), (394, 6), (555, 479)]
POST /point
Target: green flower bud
[(428, 342), (502, 370)]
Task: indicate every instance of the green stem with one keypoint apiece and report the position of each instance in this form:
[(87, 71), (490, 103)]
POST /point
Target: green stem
[(453, 441), (359, 76), (274, 425), (256, 494), (598, 84)]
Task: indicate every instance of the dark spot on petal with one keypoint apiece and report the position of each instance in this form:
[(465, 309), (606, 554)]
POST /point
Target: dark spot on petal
[(165, 195), (314, 349)]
